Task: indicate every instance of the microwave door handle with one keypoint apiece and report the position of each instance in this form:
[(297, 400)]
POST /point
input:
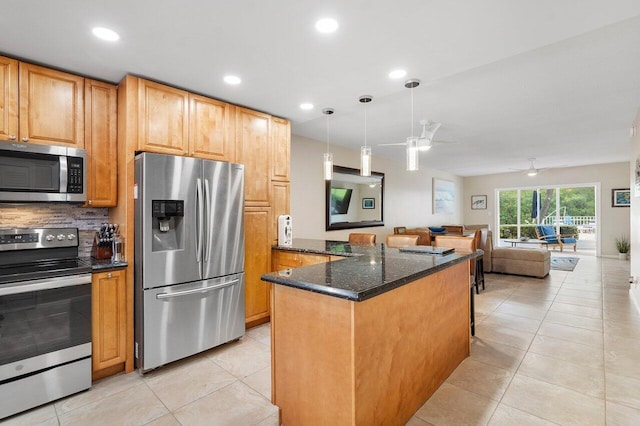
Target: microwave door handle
[(63, 173), (198, 227), (196, 290), (207, 205)]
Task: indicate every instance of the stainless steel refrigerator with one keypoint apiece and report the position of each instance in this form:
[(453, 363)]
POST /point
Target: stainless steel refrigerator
[(189, 256)]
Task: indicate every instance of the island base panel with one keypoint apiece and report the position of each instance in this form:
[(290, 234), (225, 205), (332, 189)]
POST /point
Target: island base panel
[(341, 362)]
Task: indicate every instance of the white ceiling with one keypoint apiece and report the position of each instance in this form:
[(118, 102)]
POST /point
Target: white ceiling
[(551, 79)]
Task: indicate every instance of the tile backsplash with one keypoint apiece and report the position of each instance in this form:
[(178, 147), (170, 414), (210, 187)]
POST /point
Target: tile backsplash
[(40, 215)]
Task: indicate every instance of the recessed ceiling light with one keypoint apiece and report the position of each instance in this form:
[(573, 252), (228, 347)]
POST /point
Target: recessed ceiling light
[(397, 74), (306, 106), (326, 25), (232, 79), (105, 34)]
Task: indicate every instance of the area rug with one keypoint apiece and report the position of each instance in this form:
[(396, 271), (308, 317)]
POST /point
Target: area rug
[(564, 263)]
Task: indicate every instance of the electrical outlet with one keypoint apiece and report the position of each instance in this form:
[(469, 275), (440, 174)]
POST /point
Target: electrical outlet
[(632, 279)]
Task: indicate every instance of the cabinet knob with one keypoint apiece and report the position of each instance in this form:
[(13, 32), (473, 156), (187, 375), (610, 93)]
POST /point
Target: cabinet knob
[(25, 139), (108, 274), (12, 137), (90, 202)]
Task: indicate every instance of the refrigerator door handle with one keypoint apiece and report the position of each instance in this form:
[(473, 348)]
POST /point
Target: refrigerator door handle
[(196, 290), (199, 218), (207, 206)]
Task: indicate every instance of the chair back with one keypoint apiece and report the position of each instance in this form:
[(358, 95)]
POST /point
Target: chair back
[(399, 229), (547, 233), (456, 242), (401, 240), (361, 239)]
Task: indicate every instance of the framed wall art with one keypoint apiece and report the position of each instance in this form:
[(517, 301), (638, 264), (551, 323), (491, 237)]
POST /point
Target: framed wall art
[(621, 197), (444, 196), (478, 202), (368, 203)]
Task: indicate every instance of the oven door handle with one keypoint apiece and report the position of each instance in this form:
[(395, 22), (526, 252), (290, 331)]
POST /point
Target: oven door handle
[(45, 284), (196, 290)]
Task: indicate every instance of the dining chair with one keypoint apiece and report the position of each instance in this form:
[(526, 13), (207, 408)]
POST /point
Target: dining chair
[(464, 244), (362, 239), (401, 240)]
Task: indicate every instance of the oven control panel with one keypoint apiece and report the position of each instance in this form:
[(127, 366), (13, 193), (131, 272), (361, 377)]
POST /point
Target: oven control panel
[(23, 239)]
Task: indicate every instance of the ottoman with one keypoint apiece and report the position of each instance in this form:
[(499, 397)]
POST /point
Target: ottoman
[(532, 262)]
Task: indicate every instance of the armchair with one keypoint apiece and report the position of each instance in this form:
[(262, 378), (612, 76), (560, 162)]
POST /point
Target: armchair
[(548, 234)]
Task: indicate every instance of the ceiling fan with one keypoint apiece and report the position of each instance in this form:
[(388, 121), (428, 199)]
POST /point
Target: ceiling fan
[(532, 170), (425, 141)]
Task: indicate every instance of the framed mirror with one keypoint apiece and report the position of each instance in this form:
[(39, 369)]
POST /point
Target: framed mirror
[(354, 201)]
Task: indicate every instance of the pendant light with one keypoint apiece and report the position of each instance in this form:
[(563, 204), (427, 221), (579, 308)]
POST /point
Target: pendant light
[(365, 151), (328, 157), (412, 142)]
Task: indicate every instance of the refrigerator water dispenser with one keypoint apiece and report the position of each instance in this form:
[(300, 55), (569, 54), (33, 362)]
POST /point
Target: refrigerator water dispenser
[(167, 224)]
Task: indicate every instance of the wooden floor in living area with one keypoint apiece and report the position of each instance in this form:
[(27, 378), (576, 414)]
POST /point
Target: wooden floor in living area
[(561, 350)]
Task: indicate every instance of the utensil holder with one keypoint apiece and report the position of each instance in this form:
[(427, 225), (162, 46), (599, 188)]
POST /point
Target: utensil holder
[(100, 251)]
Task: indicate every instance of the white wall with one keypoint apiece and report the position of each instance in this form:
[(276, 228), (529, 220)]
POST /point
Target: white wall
[(635, 212), (407, 195), (614, 221)]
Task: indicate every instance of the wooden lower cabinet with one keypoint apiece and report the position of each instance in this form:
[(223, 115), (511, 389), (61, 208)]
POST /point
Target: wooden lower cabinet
[(290, 259), (257, 261), (109, 322)]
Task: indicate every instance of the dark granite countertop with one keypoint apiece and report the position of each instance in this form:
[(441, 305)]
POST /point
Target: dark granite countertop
[(365, 272), (104, 264)]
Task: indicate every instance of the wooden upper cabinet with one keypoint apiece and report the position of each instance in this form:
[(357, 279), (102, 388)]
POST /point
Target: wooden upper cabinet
[(281, 141), (211, 129), (101, 127), (163, 121), (51, 107), (253, 150), (8, 99)]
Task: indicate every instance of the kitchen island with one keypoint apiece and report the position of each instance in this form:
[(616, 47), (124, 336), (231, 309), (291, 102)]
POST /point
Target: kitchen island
[(367, 339)]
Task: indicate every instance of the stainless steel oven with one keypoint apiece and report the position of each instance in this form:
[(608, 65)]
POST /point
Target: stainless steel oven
[(45, 318), (42, 173)]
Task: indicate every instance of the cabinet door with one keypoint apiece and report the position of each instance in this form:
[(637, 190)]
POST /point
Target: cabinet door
[(252, 145), (280, 205), (211, 129), (163, 121), (8, 98), (51, 107), (101, 121), (257, 262), (281, 141), (109, 318)]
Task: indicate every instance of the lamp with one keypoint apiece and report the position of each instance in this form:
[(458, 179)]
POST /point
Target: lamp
[(365, 151), (328, 157), (412, 142)]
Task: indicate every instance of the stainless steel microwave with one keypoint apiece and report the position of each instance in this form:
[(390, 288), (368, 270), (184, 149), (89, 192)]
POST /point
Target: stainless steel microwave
[(30, 173)]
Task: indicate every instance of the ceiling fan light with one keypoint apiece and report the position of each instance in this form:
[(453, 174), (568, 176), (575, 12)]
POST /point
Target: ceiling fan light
[(424, 148), (532, 172), (412, 155)]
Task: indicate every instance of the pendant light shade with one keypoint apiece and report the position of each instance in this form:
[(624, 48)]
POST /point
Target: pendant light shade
[(412, 142), (328, 157), (412, 154), (365, 151), (365, 161)]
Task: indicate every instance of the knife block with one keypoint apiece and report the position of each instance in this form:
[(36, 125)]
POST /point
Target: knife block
[(100, 252)]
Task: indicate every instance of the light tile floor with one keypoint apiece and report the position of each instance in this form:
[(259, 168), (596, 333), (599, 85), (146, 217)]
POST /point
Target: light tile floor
[(561, 350)]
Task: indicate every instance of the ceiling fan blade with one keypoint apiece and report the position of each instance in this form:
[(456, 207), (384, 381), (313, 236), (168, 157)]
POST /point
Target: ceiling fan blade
[(393, 144), (445, 142)]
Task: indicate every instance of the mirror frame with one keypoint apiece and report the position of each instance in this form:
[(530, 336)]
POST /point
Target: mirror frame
[(351, 225)]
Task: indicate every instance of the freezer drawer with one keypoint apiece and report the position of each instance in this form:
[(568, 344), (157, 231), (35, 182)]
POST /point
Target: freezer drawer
[(182, 320)]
